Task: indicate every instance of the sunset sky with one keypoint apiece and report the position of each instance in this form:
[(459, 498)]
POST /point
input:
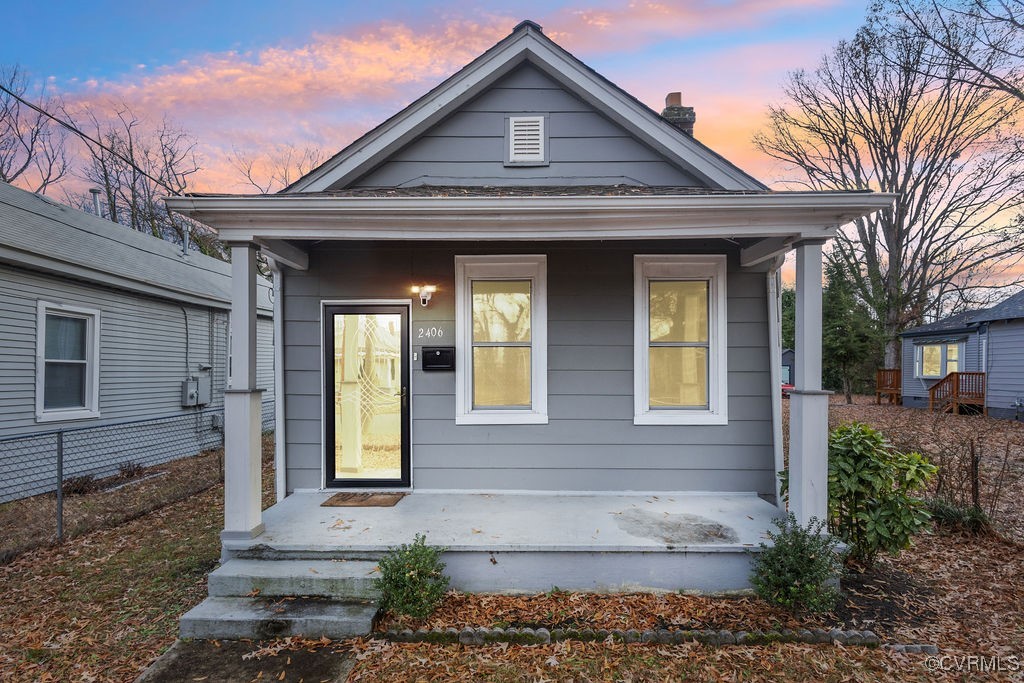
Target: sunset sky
[(244, 76)]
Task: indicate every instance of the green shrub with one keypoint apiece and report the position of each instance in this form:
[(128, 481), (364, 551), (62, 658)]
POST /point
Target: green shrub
[(412, 579), (871, 504), (968, 519), (798, 570)]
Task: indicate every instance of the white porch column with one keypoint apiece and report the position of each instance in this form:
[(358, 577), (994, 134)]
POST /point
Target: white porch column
[(808, 420), (243, 516)]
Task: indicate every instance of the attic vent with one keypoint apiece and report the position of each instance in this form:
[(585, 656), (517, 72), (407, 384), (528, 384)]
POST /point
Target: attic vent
[(526, 140)]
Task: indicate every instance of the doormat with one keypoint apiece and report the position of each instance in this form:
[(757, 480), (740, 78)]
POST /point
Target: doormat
[(362, 500)]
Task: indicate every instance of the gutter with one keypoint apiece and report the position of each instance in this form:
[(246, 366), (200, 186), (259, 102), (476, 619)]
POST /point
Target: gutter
[(774, 297), (280, 471)]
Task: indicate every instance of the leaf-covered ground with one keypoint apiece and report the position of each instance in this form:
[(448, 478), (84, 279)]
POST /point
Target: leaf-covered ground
[(104, 605)]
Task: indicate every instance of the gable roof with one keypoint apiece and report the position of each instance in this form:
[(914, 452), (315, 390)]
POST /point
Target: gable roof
[(526, 43), (959, 322), (40, 234), (1010, 308)]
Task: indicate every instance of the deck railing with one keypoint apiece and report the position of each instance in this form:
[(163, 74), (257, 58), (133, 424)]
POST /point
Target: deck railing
[(888, 382), (957, 389)]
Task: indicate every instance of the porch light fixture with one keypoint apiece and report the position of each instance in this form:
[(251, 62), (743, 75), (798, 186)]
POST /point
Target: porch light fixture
[(425, 291)]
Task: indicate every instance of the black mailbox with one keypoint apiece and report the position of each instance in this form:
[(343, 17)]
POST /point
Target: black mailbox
[(438, 358)]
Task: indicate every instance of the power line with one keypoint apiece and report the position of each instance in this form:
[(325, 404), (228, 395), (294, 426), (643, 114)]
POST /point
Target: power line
[(86, 136)]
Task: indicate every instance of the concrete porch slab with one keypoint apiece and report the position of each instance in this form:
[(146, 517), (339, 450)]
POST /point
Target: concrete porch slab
[(533, 542)]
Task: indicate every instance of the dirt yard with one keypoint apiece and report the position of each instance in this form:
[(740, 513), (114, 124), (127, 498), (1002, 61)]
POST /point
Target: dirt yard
[(104, 605)]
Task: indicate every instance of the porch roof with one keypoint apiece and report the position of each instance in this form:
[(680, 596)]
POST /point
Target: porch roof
[(532, 214)]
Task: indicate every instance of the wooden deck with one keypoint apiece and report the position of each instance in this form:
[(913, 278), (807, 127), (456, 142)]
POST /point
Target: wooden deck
[(957, 390), (888, 382)]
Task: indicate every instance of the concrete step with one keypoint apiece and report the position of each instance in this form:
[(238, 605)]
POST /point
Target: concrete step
[(340, 580), (261, 619)]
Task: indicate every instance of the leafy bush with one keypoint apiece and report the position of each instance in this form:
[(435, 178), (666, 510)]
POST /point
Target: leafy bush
[(871, 504), (412, 579), (969, 519), (798, 570)]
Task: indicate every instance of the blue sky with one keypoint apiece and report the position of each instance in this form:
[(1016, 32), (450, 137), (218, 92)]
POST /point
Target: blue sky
[(245, 76)]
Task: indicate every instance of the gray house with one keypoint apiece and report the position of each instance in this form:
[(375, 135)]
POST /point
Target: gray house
[(975, 358), (113, 335), (546, 314)]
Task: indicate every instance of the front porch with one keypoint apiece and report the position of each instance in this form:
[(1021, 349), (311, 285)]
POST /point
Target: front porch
[(528, 543)]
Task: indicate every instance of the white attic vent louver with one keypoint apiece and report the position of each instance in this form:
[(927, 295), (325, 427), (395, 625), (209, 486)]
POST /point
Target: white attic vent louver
[(526, 140)]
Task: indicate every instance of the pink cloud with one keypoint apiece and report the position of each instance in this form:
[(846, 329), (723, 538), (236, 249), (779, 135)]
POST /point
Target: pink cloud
[(335, 87)]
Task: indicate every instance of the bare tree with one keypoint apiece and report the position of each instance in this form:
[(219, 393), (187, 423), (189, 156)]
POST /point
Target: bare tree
[(31, 144), (984, 37), (135, 166), (868, 117), (278, 168)]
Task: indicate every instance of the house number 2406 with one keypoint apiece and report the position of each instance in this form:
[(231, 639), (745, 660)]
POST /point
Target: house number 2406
[(429, 333)]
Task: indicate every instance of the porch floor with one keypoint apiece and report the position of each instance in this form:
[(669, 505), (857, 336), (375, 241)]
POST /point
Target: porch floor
[(526, 542)]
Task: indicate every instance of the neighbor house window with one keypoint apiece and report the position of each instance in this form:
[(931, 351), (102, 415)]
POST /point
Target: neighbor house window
[(67, 362), (679, 365), (501, 332), (932, 361)]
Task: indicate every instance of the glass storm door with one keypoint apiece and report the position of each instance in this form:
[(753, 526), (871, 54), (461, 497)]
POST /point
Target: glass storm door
[(367, 387)]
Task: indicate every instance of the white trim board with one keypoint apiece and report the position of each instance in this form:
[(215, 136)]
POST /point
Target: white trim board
[(793, 216)]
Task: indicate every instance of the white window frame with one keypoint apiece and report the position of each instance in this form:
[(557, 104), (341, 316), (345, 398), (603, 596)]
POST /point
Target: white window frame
[(713, 269), (92, 355), (919, 358), (531, 267)]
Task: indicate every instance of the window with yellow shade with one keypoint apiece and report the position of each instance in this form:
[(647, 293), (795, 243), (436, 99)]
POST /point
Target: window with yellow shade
[(679, 369), (501, 363), (936, 360)]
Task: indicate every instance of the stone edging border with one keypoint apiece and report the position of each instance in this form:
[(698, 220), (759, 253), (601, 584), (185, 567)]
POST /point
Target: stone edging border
[(530, 636)]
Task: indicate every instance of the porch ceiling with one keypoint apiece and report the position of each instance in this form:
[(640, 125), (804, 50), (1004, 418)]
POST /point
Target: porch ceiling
[(793, 216)]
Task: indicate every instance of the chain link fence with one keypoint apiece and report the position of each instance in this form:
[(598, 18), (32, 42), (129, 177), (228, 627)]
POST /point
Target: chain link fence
[(65, 482)]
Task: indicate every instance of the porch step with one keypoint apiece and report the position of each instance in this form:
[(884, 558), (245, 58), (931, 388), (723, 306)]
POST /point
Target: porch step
[(341, 580), (235, 618)]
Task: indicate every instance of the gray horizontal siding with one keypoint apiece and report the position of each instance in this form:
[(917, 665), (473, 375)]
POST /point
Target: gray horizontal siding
[(468, 147), (590, 442), (145, 350), (1005, 366)]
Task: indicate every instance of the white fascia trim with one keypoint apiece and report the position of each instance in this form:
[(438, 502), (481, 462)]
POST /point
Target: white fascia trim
[(792, 215), (700, 266), (91, 410), (468, 268)]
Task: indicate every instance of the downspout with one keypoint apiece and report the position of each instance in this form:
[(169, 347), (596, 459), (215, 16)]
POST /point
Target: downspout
[(775, 370), (280, 482)]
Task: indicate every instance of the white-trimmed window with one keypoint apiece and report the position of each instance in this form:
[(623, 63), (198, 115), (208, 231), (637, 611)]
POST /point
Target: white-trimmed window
[(679, 368), (67, 362), (526, 141), (934, 361), (501, 336)]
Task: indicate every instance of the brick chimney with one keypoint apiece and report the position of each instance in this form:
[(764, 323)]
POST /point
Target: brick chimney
[(679, 116)]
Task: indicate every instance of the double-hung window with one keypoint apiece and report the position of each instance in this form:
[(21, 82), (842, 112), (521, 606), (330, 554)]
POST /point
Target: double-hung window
[(679, 369), (501, 332), (67, 362)]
